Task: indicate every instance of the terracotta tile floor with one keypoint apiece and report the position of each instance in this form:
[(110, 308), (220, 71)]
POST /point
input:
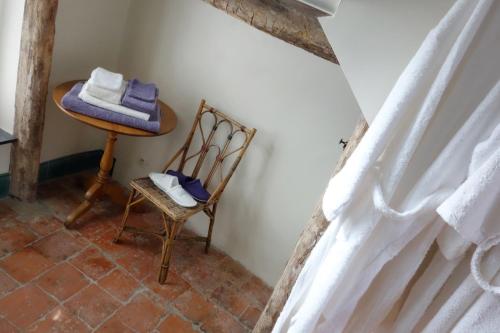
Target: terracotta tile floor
[(58, 280)]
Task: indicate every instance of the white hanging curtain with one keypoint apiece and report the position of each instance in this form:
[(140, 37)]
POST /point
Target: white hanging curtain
[(434, 138)]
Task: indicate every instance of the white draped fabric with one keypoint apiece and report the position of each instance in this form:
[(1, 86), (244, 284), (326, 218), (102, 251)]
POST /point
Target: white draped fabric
[(420, 153)]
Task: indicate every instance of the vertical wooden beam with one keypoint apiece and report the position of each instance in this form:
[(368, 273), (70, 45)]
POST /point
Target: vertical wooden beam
[(310, 235), (35, 60)]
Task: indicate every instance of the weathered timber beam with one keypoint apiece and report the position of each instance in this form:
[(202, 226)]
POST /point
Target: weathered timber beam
[(309, 237), (287, 20), (35, 60)]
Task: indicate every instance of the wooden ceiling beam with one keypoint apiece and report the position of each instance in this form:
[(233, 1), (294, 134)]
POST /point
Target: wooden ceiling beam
[(288, 20)]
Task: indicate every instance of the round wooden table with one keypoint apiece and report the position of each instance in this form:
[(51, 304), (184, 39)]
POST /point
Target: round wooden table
[(168, 123)]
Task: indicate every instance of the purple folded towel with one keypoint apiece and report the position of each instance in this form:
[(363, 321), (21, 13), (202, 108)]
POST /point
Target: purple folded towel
[(72, 102), (147, 92), (140, 96)]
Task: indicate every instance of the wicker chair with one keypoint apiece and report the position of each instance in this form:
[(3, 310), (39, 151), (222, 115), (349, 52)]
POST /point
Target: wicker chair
[(174, 216)]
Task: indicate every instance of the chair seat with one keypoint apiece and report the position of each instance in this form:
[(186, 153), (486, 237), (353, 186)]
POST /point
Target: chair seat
[(146, 187)]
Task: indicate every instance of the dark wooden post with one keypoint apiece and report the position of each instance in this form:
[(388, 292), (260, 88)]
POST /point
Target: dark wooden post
[(310, 235), (35, 60)]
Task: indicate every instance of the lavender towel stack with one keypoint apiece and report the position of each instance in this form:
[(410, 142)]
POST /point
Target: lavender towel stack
[(141, 96), (72, 102)]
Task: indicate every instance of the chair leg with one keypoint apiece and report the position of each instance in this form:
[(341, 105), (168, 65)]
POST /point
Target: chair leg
[(209, 235), (125, 216), (210, 228), (168, 245)]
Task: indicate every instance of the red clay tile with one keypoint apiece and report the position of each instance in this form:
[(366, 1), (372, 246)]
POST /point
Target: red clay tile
[(231, 299), (92, 225), (62, 281), (175, 324), (203, 278), (25, 305), (25, 265), (92, 263), (192, 253), (6, 327), (138, 263), (257, 289), (14, 236), (233, 271), (25, 211), (213, 258), (174, 286), (114, 325), (50, 189), (148, 243), (222, 322), (215, 275), (59, 320), (6, 212), (141, 314), (182, 260), (150, 221), (92, 305), (250, 316), (58, 246), (119, 284), (124, 247), (194, 306), (106, 207), (7, 284), (61, 202), (44, 225)]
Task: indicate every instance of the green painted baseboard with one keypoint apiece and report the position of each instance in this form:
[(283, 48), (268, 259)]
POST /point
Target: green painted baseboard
[(59, 167)]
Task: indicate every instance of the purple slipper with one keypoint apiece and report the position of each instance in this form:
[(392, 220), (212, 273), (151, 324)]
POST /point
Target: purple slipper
[(192, 185)]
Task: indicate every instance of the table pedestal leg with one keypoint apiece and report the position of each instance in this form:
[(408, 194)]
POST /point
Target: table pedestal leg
[(102, 178)]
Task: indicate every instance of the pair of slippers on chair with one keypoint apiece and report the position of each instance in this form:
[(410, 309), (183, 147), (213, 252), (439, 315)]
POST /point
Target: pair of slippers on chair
[(182, 189)]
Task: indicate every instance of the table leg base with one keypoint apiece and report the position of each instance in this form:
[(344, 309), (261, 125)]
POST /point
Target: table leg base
[(90, 196), (79, 211), (96, 188)]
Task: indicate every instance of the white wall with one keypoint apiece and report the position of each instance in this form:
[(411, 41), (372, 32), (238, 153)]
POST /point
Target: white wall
[(374, 41), (11, 15), (88, 34), (300, 104)]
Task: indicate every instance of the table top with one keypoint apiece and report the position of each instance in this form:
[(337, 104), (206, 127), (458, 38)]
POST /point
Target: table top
[(168, 117)]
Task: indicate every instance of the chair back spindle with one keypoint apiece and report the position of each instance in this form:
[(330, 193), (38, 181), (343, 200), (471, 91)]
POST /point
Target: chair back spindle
[(208, 142)]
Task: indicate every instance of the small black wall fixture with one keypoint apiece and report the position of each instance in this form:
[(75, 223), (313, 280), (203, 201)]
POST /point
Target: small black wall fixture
[(6, 138)]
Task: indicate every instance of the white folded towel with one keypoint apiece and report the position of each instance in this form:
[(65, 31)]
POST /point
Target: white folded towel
[(105, 79), (106, 85), (88, 98)]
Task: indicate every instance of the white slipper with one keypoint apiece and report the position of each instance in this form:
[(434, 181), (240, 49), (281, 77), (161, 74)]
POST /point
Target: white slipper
[(170, 185)]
